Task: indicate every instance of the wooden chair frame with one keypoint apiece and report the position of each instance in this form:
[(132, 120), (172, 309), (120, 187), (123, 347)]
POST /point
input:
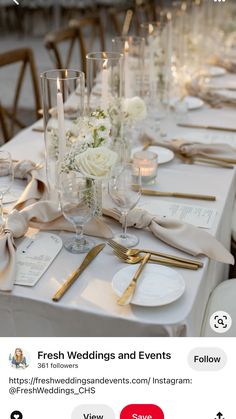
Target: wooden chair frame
[(72, 34), (25, 56)]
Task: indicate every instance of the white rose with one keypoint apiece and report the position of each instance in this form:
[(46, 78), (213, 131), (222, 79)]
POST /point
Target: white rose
[(135, 108), (96, 162)]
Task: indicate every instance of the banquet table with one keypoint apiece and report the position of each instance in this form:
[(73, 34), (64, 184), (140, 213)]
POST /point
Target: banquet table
[(89, 308)]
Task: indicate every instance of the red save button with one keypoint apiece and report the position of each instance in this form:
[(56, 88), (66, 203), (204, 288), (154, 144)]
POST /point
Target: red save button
[(142, 411)]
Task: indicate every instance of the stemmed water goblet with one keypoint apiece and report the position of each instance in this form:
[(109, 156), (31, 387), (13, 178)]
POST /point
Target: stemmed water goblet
[(6, 179), (125, 190), (77, 197)]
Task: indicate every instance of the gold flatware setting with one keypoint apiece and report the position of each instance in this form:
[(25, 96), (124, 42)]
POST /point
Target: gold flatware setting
[(129, 291), (151, 192), (38, 129), (132, 260), (74, 275), (213, 127), (136, 252), (206, 160)]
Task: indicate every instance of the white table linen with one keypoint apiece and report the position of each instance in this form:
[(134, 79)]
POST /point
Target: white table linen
[(89, 307)]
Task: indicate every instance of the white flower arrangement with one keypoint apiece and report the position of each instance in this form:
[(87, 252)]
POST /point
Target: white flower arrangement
[(86, 132), (94, 163), (127, 110)]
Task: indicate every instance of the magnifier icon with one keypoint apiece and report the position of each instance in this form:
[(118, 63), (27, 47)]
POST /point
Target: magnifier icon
[(220, 321)]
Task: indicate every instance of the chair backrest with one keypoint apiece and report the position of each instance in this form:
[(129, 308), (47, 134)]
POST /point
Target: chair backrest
[(74, 35), (52, 42), (89, 30), (3, 124), (23, 56)]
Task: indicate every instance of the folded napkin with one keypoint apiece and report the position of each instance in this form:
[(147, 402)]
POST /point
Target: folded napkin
[(35, 176), (195, 149), (44, 215), (227, 62), (183, 236), (191, 149), (213, 97)]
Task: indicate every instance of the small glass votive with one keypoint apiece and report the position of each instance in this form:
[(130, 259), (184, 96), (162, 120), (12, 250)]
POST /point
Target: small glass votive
[(147, 162)]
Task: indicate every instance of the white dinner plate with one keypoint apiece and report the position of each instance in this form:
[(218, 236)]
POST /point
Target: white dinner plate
[(164, 155), (158, 285), (215, 71), (192, 102)]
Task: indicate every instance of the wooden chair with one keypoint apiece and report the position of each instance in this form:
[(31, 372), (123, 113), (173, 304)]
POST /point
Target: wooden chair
[(23, 56), (93, 25), (3, 125), (54, 39), (72, 36)]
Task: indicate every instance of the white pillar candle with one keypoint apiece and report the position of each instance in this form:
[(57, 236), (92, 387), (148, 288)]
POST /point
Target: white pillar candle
[(105, 89), (152, 51), (146, 162), (127, 78), (61, 123), (169, 43)]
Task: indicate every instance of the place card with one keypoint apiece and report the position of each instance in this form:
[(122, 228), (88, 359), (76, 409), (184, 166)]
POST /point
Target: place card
[(34, 255), (193, 214)]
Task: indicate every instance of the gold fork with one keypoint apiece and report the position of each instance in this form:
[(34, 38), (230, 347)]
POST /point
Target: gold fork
[(162, 261), (135, 252), (129, 291)]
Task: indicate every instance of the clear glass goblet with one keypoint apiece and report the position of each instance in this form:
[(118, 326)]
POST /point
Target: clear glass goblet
[(125, 190), (6, 179), (77, 197)]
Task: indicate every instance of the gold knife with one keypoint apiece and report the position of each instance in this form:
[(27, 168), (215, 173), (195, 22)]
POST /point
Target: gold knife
[(151, 192), (189, 125), (74, 275), (129, 291)]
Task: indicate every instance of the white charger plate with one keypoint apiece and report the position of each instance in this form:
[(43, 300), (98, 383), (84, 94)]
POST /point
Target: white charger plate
[(215, 71), (164, 155), (192, 102), (157, 286)]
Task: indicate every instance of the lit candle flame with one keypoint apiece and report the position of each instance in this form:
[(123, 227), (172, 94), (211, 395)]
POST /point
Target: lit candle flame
[(150, 28), (104, 66), (58, 85), (183, 7), (126, 49)]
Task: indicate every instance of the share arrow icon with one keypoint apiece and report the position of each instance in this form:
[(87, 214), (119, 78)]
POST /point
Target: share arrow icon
[(219, 415)]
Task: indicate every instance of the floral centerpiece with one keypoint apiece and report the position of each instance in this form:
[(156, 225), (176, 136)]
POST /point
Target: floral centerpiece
[(87, 150), (86, 132), (124, 114)]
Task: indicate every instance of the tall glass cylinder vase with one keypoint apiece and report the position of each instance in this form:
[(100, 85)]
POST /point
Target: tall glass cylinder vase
[(158, 59), (132, 48), (104, 87), (63, 105)]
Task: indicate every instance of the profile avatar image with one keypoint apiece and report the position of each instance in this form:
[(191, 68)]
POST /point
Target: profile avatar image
[(18, 359)]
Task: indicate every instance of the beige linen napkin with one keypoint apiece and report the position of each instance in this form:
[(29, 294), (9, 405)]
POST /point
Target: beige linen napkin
[(35, 176), (215, 98), (183, 236), (227, 62), (193, 149), (44, 215)]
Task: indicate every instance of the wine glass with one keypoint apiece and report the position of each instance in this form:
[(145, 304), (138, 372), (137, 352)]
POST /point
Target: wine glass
[(77, 197), (125, 190), (6, 178)]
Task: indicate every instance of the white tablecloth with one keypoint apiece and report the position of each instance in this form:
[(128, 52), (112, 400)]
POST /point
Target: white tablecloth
[(89, 308)]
